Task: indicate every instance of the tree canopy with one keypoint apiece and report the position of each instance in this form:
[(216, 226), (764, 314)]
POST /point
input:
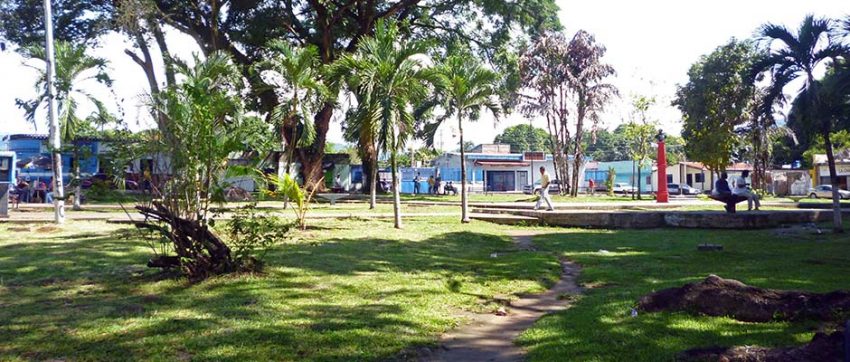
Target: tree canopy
[(716, 100), (524, 137)]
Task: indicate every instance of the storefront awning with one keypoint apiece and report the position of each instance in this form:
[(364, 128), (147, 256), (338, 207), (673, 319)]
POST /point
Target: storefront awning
[(503, 163)]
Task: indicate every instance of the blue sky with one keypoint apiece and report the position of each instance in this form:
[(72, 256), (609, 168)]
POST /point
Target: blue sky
[(651, 44)]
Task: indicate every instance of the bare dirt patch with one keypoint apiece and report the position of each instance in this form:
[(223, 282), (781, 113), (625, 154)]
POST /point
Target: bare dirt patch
[(716, 296), (47, 229), (823, 347)]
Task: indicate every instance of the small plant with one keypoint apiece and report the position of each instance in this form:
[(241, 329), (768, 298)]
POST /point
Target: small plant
[(251, 234), (287, 186)]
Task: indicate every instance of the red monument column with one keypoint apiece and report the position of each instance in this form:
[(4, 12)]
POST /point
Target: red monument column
[(662, 194)]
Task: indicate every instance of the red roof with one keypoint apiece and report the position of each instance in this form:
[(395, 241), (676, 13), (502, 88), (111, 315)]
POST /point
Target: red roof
[(503, 163)]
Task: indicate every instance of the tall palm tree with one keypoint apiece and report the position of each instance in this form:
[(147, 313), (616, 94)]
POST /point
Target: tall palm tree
[(796, 56), (467, 89), (74, 70), (390, 78), (296, 76), (362, 128)]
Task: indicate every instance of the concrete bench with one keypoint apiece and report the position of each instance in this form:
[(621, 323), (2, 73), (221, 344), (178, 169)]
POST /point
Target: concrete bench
[(730, 200)]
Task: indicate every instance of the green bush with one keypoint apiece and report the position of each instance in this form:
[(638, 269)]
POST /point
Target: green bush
[(250, 234)]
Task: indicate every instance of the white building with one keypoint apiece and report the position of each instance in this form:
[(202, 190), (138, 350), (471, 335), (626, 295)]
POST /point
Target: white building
[(696, 175)]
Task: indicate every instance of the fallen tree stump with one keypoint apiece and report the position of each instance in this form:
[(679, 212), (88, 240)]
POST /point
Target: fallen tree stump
[(823, 347), (718, 297), (200, 252)]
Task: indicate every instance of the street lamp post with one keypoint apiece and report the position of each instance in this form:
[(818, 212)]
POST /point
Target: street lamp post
[(55, 143), (661, 196)]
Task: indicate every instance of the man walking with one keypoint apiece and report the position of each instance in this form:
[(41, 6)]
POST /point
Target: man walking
[(544, 190), (416, 184), (591, 185), (741, 189)]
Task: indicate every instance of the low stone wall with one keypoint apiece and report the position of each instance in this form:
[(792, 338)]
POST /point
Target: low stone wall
[(657, 219)]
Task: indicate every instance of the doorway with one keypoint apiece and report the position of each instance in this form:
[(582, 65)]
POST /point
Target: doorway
[(500, 181)]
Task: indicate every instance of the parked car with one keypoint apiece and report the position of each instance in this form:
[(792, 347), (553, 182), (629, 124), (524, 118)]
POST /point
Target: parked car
[(624, 188), (676, 189), (554, 188), (825, 191)]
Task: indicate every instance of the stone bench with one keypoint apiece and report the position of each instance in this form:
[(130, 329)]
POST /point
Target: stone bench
[(730, 200)]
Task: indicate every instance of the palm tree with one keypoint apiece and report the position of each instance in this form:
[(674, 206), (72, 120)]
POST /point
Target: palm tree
[(390, 78), (297, 79), (362, 128), (796, 57), (74, 69), (468, 88)]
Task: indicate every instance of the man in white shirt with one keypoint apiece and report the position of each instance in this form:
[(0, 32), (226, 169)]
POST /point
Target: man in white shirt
[(739, 187), (544, 190)]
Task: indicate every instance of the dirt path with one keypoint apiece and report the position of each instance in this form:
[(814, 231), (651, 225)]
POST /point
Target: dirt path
[(490, 337)]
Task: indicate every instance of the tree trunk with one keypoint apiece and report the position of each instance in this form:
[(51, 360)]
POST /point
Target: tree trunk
[(78, 190), (369, 156), (577, 150), (373, 183), (633, 175), (396, 191), (311, 157), (639, 197), (464, 213), (833, 179)]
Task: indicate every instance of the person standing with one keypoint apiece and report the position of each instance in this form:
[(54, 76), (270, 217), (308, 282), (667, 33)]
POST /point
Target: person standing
[(591, 185), (431, 189), (544, 190), (24, 190), (740, 188), (416, 183)]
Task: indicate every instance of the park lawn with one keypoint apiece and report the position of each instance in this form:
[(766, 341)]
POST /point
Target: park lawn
[(343, 290), (620, 266)]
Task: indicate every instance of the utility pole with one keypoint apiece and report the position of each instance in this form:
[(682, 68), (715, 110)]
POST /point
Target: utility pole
[(55, 143)]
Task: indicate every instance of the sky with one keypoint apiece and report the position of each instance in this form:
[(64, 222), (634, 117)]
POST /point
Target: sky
[(650, 43)]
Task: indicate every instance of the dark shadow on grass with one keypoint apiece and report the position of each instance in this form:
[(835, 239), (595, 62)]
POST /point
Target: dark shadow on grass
[(76, 298)]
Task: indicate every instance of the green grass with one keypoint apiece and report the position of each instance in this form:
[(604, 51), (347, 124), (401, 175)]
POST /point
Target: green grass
[(354, 290), (599, 328), (360, 290)]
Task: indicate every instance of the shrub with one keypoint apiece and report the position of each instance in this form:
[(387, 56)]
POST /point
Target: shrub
[(250, 234)]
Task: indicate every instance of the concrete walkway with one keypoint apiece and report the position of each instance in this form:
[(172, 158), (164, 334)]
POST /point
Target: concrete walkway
[(490, 337)]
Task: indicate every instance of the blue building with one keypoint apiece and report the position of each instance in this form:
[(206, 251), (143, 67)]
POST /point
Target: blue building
[(34, 159), (625, 172)]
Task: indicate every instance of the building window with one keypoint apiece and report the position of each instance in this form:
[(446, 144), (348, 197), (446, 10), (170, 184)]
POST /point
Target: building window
[(700, 177), (669, 178)]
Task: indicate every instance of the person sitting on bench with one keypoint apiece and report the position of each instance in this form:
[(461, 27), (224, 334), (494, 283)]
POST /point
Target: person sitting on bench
[(722, 192), (721, 186), (741, 189)]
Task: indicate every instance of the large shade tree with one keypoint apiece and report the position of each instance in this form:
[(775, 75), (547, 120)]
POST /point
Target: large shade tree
[(715, 101), (796, 55), (74, 71), (243, 28)]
